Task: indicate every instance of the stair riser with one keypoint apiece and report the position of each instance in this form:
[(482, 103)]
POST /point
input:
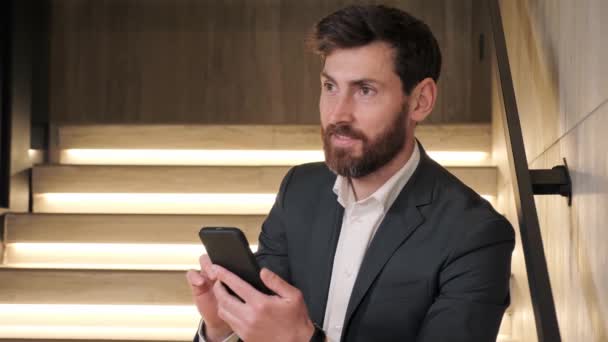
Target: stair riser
[(180, 190)]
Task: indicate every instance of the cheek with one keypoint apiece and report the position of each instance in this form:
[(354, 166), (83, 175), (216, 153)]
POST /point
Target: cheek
[(372, 120), (376, 115), (324, 109)]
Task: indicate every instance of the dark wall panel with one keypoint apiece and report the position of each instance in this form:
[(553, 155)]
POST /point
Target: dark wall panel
[(239, 61)]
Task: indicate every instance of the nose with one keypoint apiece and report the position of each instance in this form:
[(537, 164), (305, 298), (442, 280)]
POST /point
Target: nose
[(342, 109)]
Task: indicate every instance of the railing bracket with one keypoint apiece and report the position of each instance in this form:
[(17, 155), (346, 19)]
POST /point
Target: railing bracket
[(555, 181)]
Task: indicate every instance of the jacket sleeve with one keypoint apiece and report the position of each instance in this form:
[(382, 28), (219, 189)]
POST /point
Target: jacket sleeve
[(272, 244), (473, 287), (199, 337)]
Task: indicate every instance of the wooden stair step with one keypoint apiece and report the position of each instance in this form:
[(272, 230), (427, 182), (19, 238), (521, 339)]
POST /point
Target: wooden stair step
[(132, 229), (157, 179), (125, 287), (449, 137), (95, 305), (253, 145), (141, 303), (183, 180)]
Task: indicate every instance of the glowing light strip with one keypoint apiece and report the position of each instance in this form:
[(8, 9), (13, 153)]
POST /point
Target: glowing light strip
[(189, 157), (105, 255), (159, 203), (154, 203), (460, 158), (89, 321), (36, 156), (233, 157)]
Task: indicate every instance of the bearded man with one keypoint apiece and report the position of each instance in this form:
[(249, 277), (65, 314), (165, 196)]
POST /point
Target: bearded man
[(379, 243)]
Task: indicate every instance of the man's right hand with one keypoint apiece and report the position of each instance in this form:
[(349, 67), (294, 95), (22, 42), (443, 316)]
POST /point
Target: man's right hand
[(204, 298)]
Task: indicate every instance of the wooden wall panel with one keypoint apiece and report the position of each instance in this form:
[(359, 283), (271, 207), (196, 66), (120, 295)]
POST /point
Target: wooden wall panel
[(186, 61), (562, 93), (558, 61)]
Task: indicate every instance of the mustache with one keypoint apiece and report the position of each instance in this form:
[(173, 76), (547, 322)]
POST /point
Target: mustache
[(344, 130)]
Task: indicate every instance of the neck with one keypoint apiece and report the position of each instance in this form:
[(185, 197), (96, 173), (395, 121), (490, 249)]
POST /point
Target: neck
[(363, 187)]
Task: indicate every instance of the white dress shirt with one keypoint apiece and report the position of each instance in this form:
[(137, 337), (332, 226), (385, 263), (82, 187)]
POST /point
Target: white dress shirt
[(359, 224)]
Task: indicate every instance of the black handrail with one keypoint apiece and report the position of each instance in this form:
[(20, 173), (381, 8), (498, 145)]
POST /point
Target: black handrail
[(5, 123), (526, 183)]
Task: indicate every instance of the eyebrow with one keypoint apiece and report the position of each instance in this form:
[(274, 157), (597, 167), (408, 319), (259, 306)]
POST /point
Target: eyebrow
[(358, 82)]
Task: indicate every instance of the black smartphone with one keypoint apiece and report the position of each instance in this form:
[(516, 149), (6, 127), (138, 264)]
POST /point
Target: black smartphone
[(228, 247)]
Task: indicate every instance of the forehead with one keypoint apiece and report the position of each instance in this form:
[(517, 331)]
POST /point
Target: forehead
[(374, 60)]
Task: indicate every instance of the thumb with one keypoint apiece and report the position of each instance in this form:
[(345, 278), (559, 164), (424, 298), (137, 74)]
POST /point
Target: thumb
[(277, 284), (199, 284)]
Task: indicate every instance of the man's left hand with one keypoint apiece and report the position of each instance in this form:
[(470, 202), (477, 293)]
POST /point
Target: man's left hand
[(281, 317)]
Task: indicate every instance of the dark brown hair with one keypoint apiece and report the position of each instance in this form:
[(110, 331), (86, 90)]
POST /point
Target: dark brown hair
[(417, 52)]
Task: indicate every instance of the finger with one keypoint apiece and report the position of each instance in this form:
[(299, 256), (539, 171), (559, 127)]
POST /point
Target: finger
[(232, 320), (199, 284), (206, 264), (277, 284), (230, 305), (247, 292)]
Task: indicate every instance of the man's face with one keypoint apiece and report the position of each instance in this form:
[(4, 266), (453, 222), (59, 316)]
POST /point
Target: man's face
[(363, 109)]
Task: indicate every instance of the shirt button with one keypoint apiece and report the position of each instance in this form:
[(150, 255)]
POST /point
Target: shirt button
[(338, 326)]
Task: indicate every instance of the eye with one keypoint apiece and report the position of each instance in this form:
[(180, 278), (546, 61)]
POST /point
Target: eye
[(367, 91), (329, 87)]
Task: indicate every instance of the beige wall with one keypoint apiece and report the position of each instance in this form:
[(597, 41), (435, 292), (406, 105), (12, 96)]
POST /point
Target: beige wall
[(558, 59)]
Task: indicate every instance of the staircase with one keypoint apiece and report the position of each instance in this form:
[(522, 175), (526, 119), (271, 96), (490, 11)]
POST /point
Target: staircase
[(116, 214)]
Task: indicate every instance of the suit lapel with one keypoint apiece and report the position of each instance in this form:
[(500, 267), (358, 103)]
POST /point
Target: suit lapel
[(400, 222), (324, 240), (393, 231)]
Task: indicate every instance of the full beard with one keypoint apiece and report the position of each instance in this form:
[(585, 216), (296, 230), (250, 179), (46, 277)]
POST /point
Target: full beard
[(375, 153)]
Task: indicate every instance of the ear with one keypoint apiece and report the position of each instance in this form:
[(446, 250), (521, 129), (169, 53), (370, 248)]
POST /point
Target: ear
[(422, 99)]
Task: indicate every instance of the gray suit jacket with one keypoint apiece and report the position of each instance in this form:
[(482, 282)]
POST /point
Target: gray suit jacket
[(437, 269)]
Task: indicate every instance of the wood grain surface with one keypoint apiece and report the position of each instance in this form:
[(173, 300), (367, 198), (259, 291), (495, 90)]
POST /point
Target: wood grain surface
[(164, 61)]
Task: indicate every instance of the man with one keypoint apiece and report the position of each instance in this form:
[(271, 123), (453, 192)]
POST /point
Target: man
[(379, 243)]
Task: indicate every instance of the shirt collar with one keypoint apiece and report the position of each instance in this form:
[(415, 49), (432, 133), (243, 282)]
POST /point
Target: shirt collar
[(387, 193)]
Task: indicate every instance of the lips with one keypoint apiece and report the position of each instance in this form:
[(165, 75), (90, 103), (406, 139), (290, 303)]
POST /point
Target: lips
[(342, 140)]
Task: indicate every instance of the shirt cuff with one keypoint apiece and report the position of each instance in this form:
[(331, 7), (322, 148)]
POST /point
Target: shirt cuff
[(201, 334)]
